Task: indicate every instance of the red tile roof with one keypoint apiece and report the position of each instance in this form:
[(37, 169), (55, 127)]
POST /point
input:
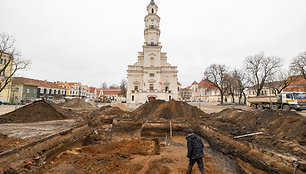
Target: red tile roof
[(178, 83), (297, 81), (33, 82), (194, 83), (111, 91), (205, 84), (92, 89)]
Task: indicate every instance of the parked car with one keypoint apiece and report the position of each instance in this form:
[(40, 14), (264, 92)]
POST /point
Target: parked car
[(3, 102)]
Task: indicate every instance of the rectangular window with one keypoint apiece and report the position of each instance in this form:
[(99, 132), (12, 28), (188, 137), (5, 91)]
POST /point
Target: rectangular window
[(28, 90), (151, 74), (1, 61), (136, 88), (4, 61), (132, 98), (151, 87)]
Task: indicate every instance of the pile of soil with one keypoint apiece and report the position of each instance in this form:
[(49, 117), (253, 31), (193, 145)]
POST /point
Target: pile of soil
[(283, 130), (146, 109), (171, 110), (37, 111), (76, 103), (284, 124), (109, 110)]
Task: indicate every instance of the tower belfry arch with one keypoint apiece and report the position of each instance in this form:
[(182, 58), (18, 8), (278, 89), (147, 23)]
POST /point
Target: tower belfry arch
[(155, 77)]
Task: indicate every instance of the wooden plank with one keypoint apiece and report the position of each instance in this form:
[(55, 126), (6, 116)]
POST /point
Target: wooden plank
[(247, 135)]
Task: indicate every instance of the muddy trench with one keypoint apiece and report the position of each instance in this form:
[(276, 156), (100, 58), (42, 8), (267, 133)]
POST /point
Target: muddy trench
[(128, 144), (222, 154)]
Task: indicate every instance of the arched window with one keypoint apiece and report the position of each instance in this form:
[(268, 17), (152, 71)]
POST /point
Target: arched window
[(152, 10)]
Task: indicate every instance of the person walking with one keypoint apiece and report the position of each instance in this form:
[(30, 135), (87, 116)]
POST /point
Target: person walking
[(195, 151)]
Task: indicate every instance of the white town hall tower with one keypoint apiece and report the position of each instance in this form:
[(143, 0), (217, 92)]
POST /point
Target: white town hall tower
[(152, 77)]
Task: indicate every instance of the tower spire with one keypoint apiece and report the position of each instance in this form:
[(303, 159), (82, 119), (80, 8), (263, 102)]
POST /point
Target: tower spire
[(152, 2)]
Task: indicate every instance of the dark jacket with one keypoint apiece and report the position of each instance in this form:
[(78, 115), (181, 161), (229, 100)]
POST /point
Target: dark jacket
[(195, 146)]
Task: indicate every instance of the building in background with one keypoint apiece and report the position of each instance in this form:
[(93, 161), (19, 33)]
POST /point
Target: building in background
[(74, 89), (30, 89), (5, 93), (152, 77), (93, 93), (23, 89), (186, 93), (298, 84), (112, 94), (204, 91)]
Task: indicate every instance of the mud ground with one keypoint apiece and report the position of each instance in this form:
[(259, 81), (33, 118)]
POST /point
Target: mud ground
[(109, 143)]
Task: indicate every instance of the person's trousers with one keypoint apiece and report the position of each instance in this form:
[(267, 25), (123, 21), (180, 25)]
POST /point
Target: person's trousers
[(200, 164)]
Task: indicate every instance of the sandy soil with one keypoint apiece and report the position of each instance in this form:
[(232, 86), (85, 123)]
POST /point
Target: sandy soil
[(132, 157), (115, 149), (19, 134), (36, 129), (8, 108), (172, 159)]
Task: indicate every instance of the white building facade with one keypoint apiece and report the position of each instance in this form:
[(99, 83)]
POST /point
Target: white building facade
[(152, 77)]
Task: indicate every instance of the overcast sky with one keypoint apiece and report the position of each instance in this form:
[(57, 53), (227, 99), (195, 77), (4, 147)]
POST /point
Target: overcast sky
[(93, 41)]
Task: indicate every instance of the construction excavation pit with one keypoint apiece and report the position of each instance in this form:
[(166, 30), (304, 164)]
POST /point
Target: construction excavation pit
[(76, 137)]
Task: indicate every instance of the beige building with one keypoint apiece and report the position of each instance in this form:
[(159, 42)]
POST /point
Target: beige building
[(204, 91), (112, 94), (5, 60), (152, 77)]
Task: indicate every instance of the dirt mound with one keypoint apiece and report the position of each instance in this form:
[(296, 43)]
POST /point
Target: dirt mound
[(76, 103), (282, 130), (109, 110), (286, 124), (161, 110), (146, 109), (37, 111)]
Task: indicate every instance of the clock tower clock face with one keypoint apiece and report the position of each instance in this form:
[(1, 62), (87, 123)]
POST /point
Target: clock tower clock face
[(152, 20)]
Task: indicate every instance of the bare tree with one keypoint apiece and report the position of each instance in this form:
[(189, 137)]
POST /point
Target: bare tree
[(232, 85), (298, 65), (104, 85), (281, 80), (260, 68), (113, 86), (217, 74), (240, 82), (123, 87), (10, 60)]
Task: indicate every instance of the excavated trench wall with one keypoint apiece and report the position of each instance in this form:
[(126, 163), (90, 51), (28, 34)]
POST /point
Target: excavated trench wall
[(161, 129), (47, 147), (125, 125), (249, 155)]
